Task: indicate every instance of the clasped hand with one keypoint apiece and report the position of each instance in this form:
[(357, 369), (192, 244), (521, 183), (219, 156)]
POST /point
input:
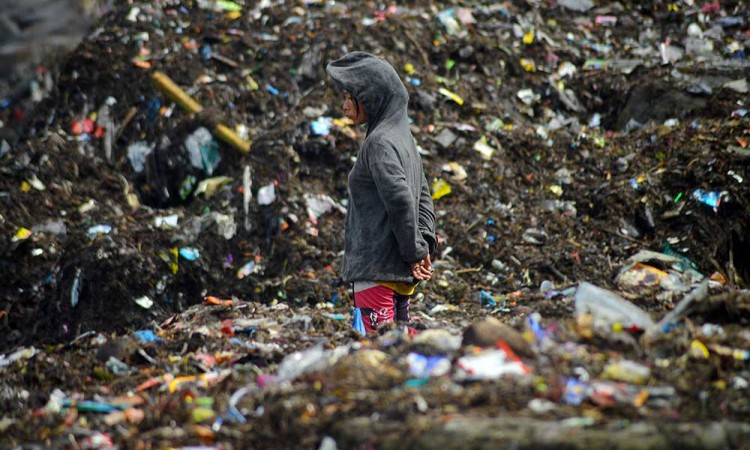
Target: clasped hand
[(422, 270)]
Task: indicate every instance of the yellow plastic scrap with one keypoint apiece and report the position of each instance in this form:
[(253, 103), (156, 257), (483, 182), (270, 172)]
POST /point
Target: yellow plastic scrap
[(528, 64), (451, 95), (528, 37), (25, 186), (203, 414), (251, 83), (555, 189), (233, 15), (175, 257), (484, 148), (210, 185), (204, 380), (440, 189), (409, 68), (343, 125), (698, 350), (458, 171), (22, 234)]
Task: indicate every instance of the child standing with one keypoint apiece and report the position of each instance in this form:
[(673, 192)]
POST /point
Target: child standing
[(390, 222)]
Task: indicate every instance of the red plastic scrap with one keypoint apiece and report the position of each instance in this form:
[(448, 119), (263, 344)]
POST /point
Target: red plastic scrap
[(227, 327), (711, 7), (82, 126)]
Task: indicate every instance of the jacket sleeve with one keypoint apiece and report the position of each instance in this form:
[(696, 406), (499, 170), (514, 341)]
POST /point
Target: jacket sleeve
[(427, 216), (403, 216)]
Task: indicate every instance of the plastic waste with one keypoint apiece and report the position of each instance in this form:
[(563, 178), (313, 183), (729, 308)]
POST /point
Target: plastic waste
[(358, 323), (321, 126), (117, 367), (96, 230), (248, 268), (209, 186), (490, 365), (319, 204), (609, 394), (144, 302), (483, 148), (487, 300), (627, 371), (75, 289), (22, 234), (23, 353), (711, 198), (267, 194), (137, 154), (609, 309), (190, 253), (576, 5), (203, 150), (451, 95), (146, 336), (328, 443), (440, 189), (299, 363), (422, 366), (575, 391), (446, 138), (167, 222)]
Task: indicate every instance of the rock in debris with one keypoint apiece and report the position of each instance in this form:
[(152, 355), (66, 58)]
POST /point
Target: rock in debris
[(486, 333)]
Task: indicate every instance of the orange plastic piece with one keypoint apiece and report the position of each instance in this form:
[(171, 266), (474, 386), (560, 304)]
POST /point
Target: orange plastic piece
[(218, 302)]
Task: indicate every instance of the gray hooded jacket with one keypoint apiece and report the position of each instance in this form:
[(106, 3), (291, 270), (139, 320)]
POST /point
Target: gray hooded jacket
[(390, 220)]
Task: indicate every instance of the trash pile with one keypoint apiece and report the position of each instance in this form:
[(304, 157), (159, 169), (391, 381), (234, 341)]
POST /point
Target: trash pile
[(172, 224)]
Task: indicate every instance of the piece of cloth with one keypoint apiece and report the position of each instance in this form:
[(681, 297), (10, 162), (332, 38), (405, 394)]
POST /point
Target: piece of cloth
[(401, 288), (376, 305), (390, 221)]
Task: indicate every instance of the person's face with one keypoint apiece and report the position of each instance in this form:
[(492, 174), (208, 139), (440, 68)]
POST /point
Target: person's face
[(354, 110)]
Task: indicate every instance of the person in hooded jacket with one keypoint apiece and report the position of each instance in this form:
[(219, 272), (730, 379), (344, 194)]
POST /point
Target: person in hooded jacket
[(390, 222)]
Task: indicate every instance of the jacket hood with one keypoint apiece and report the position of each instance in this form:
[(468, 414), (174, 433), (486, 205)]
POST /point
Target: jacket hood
[(374, 82)]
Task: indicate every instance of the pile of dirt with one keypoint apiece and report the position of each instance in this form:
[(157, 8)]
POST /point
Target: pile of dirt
[(560, 140)]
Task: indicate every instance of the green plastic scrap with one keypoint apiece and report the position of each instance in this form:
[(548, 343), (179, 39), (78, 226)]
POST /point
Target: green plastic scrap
[(226, 5)]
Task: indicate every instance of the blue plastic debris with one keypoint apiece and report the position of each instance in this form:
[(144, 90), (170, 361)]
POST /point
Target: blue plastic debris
[(90, 406), (335, 316), (422, 366), (154, 105), (358, 323), (206, 52), (75, 290), (248, 330), (487, 300), (272, 90), (575, 392), (321, 126), (146, 336), (537, 330), (712, 198), (96, 230), (190, 253)]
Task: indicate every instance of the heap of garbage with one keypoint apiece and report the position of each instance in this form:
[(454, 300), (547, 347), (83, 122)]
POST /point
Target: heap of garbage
[(172, 224)]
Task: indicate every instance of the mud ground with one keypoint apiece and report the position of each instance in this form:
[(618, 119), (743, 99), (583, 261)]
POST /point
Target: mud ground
[(561, 199)]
